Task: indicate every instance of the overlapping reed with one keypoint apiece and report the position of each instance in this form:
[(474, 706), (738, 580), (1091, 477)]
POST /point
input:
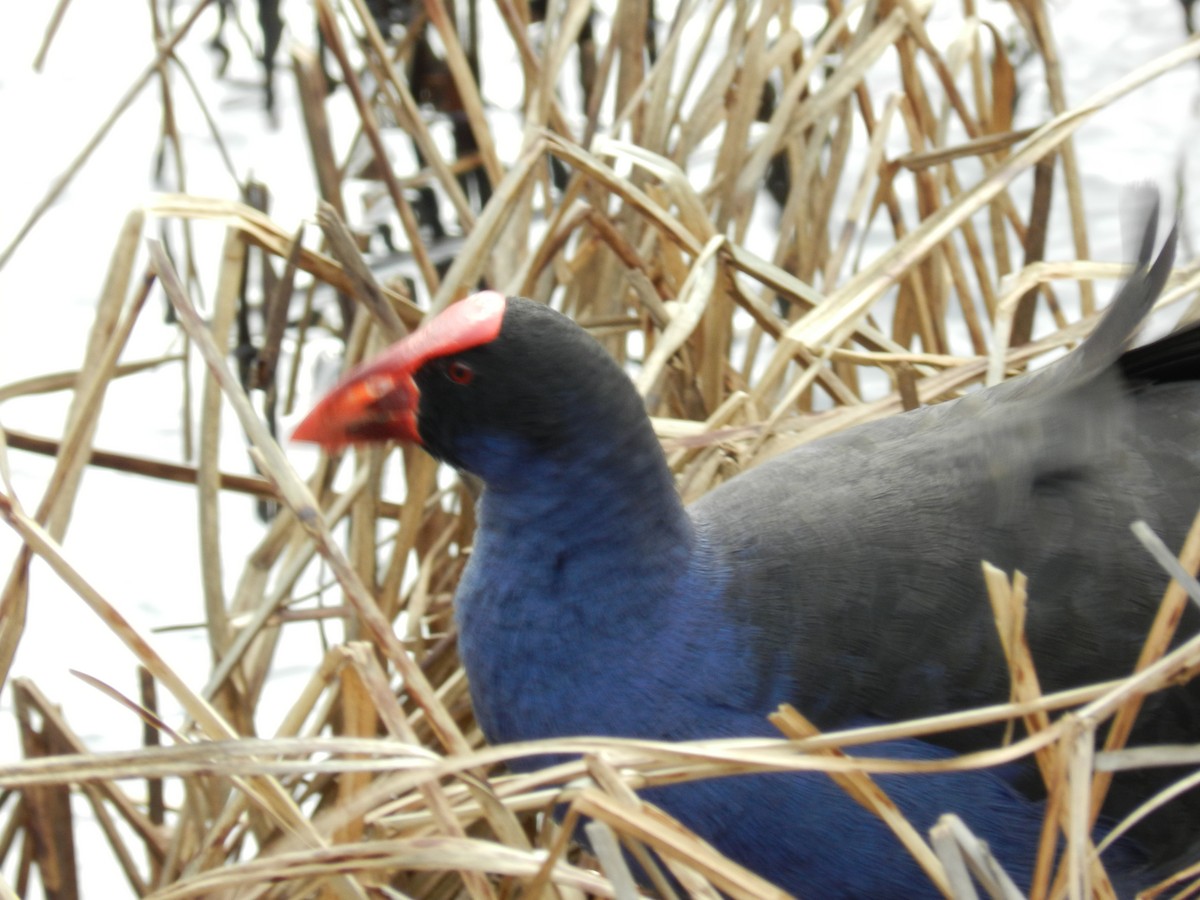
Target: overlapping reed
[(786, 219)]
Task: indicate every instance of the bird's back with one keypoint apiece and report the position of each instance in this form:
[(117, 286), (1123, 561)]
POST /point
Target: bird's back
[(858, 557), (867, 547)]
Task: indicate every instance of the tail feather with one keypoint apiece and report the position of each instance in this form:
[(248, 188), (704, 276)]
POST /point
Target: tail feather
[(1127, 311), (1175, 357)]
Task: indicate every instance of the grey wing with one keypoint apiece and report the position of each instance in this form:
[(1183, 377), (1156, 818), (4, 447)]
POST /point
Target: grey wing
[(859, 558)]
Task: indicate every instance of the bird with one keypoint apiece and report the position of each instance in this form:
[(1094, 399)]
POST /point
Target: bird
[(842, 576)]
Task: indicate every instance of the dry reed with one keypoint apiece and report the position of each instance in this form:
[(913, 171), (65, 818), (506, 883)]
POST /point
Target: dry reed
[(631, 202)]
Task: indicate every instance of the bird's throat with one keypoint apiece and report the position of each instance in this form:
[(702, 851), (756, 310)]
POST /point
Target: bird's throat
[(567, 586)]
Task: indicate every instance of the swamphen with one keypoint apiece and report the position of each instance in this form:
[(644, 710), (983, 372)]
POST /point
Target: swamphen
[(843, 576)]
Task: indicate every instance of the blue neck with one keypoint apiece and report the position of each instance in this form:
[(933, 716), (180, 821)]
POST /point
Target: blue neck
[(578, 559)]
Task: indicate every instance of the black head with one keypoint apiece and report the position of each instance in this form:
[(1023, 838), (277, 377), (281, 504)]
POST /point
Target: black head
[(486, 387)]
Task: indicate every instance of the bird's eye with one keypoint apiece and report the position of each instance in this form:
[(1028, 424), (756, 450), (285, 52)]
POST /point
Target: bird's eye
[(459, 372)]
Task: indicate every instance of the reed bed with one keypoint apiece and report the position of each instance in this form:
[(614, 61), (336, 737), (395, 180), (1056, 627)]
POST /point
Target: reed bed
[(783, 229)]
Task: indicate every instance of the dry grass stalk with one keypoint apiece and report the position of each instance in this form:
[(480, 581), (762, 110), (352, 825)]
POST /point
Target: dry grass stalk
[(635, 202)]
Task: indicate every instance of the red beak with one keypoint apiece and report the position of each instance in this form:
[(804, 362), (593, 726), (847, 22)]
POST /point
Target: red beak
[(378, 400), (375, 402)]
